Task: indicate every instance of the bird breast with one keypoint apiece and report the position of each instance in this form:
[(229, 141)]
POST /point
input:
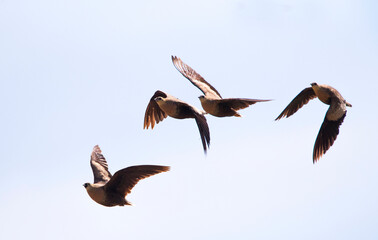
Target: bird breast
[(323, 93), (97, 194)]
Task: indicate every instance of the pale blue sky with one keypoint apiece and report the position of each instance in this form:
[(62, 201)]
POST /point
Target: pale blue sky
[(78, 73)]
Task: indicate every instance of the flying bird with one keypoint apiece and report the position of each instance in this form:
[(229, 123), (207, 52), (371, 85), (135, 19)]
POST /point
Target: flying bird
[(211, 101), (111, 190), (162, 105), (333, 119)]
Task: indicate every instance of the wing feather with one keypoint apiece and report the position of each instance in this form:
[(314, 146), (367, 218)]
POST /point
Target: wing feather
[(239, 103), (154, 114), (301, 99), (125, 179), (99, 166), (330, 128), (196, 79), (326, 137), (204, 131)]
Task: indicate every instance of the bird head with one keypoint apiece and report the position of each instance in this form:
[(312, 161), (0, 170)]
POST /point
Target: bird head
[(314, 84), (158, 99), (201, 98)]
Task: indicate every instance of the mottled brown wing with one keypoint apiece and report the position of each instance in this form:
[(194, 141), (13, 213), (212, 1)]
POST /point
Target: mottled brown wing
[(203, 129), (154, 114), (196, 79), (301, 99), (330, 128), (99, 166), (239, 103), (125, 179)]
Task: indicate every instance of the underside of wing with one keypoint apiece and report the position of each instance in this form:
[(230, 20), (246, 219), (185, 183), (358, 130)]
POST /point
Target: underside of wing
[(154, 114), (301, 99), (196, 79), (326, 137), (239, 103), (99, 166), (125, 179)]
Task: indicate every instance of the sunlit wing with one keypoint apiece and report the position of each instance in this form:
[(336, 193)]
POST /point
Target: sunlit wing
[(99, 166), (196, 79), (153, 112)]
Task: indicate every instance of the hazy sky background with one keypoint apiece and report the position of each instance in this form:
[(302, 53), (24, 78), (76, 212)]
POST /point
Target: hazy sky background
[(77, 73)]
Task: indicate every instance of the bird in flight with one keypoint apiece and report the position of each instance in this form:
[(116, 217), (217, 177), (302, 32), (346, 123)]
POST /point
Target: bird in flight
[(211, 101), (333, 119), (162, 105), (111, 190)]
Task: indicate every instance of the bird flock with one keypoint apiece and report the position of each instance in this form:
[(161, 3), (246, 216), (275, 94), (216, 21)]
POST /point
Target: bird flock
[(111, 190)]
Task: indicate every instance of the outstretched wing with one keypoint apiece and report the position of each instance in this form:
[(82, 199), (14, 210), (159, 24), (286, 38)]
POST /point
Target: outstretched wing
[(301, 99), (125, 179), (99, 166), (239, 103), (196, 79), (154, 114), (330, 128)]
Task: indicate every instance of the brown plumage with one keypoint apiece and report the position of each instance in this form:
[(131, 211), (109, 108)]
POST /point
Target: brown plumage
[(212, 102), (333, 119), (111, 190), (162, 105)]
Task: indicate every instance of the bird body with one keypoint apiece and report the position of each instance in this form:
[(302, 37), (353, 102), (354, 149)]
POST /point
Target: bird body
[(176, 108), (109, 190), (162, 105), (100, 196), (324, 92), (334, 117), (216, 107), (212, 102)]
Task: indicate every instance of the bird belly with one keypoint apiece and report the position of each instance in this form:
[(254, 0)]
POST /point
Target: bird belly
[(98, 195), (210, 106)]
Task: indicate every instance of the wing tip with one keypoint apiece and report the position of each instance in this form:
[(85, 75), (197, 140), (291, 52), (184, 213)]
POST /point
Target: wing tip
[(165, 168), (96, 149), (279, 117)]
